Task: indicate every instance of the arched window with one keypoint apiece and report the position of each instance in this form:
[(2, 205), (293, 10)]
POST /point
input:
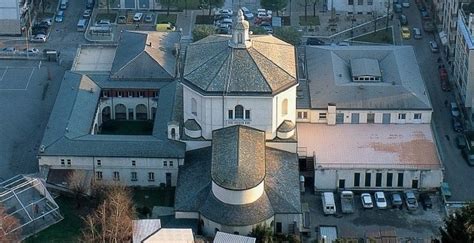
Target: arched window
[(284, 107), (193, 106), (173, 133), (141, 112), (239, 112)]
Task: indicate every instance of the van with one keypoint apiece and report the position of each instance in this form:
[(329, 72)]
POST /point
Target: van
[(64, 4), (329, 205), (417, 33), (82, 25), (165, 26)]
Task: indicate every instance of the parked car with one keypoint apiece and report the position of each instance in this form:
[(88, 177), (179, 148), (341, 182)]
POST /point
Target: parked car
[(311, 41), (87, 13), (48, 22), (39, 30), (59, 17), (137, 17), (397, 201), (122, 19), (406, 3), (457, 126), (148, 18), (247, 14), (426, 201), (417, 33), (454, 109), (403, 19), (31, 51), (103, 22), (434, 47), (380, 200), (397, 7), (460, 141), (267, 27), (410, 200), (225, 11), (405, 33), (468, 156), (425, 15), (366, 200), (9, 50), (38, 38)]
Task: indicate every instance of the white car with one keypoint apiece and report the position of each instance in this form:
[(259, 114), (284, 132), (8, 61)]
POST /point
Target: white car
[(31, 51), (137, 17), (226, 12), (380, 200), (406, 3), (366, 200), (39, 38)]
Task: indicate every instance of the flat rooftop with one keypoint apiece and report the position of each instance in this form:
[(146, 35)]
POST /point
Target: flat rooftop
[(394, 146), (94, 58)]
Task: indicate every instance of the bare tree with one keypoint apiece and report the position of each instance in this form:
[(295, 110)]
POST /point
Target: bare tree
[(9, 231), (112, 219), (77, 181)]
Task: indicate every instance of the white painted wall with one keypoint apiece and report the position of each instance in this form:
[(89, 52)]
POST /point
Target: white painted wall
[(130, 103), (343, 5), (328, 179), (265, 111), (314, 116), (240, 197), (122, 165), (209, 227)]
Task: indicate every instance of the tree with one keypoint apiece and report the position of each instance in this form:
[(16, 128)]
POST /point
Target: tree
[(112, 219), (8, 224), (202, 31), (77, 184), (288, 34), (459, 227), (263, 233), (213, 4), (274, 5)]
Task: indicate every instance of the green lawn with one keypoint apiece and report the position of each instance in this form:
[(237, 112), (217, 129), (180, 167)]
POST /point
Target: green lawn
[(116, 127), (309, 20), (383, 36), (162, 17), (67, 230), (153, 197)]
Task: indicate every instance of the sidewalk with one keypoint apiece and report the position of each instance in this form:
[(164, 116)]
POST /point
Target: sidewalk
[(185, 21)]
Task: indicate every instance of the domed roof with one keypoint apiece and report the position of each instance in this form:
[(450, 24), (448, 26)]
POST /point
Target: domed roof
[(238, 157), (212, 67)]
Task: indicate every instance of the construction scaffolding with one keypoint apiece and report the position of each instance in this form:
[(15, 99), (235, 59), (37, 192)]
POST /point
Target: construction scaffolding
[(28, 200)]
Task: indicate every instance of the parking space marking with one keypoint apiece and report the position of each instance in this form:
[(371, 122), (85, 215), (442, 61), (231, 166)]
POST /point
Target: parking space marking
[(3, 75), (30, 76)]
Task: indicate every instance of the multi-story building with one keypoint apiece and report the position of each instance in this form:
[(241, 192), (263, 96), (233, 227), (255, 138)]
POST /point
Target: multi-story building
[(463, 64), (378, 7), (364, 114), (12, 16)]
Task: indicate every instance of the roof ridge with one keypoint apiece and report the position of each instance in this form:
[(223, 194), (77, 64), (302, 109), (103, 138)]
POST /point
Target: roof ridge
[(256, 39), (279, 196), (161, 66), (227, 59), (131, 60), (208, 60), (273, 61)]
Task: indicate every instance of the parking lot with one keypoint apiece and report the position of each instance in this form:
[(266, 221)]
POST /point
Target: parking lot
[(27, 91), (417, 224)]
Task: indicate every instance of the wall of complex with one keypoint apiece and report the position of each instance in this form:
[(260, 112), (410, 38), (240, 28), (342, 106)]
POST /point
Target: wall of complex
[(210, 227), (379, 116), (330, 179), (104, 168), (263, 113)]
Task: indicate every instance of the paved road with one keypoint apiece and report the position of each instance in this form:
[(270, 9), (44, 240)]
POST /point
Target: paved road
[(457, 173)]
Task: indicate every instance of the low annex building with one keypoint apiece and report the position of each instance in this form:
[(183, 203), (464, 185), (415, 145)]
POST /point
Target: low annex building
[(364, 120)]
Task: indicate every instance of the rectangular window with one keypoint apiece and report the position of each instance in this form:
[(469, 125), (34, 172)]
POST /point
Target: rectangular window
[(231, 114), (165, 163), (141, 93), (302, 115), (400, 180), (116, 176), (134, 163), (350, 2), (62, 162), (99, 163), (417, 116), (151, 176), (356, 179), (105, 93), (98, 175), (368, 179), (389, 179), (247, 114), (119, 93), (360, 2), (130, 93), (171, 163), (370, 2), (378, 179), (133, 176), (402, 116), (322, 115), (68, 162)]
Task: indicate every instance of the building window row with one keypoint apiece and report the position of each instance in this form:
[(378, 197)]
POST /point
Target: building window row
[(133, 176), (302, 115), (168, 163), (129, 93), (134, 163), (370, 117), (378, 179), (239, 113), (64, 162)]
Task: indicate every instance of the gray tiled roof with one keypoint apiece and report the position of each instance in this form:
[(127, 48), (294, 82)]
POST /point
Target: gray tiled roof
[(145, 55), (365, 67), (70, 123), (330, 80), (212, 67), (281, 196), (286, 126), (238, 157), (192, 125)]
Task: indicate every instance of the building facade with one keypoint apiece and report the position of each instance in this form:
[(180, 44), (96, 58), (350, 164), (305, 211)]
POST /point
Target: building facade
[(378, 7)]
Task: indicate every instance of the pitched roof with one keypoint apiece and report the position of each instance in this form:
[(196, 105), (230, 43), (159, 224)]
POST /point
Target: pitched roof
[(238, 157), (212, 67), (330, 80), (68, 132), (222, 237), (145, 55)]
